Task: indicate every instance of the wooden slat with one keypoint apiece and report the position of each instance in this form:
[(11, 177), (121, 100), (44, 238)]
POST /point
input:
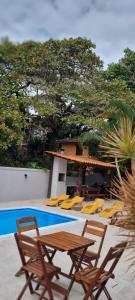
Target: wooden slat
[(65, 241), (87, 275), (29, 249), (96, 224), (94, 231), (27, 224), (35, 267), (23, 220), (26, 228), (27, 239)]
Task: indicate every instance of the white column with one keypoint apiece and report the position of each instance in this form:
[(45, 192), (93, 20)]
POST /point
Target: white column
[(58, 185)]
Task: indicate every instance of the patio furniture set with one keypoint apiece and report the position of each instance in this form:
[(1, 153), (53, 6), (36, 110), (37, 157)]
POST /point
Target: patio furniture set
[(91, 192), (43, 276)]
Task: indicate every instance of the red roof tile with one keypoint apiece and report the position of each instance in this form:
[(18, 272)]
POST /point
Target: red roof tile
[(82, 159)]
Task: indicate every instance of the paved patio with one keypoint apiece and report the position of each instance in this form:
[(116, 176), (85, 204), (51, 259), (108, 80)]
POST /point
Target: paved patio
[(121, 288)]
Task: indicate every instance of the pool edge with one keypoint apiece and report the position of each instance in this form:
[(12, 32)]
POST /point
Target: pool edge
[(45, 227)]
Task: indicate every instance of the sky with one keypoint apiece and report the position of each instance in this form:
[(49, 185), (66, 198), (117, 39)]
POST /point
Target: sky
[(110, 24)]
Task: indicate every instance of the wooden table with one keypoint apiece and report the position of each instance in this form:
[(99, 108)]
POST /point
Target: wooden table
[(67, 242)]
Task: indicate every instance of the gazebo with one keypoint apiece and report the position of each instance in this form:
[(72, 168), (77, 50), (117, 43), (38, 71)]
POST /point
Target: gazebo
[(68, 153)]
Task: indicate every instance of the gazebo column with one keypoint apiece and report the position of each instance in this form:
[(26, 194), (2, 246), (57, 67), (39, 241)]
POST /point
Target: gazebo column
[(83, 174), (81, 178), (59, 171)]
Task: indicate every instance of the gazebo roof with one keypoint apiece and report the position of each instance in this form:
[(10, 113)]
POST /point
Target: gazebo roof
[(82, 159)]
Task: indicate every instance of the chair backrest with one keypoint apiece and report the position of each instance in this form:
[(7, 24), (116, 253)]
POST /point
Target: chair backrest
[(103, 275), (28, 247), (26, 224), (95, 228), (112, 259)]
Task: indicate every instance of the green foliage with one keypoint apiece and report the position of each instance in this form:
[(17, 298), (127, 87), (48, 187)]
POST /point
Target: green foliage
[(120, 143), (122, 108), (35, 165), (92, 140), (63, 82), (89, 137), (124, 69), (43, 76)]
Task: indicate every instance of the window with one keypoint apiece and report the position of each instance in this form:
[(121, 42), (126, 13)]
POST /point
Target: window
[(78, 150), (61, 177)]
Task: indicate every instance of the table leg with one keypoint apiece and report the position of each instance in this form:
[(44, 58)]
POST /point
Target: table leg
[(76, 265), (50, 257)]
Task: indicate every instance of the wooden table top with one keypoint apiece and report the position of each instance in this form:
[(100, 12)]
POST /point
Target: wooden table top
[(65, 241)]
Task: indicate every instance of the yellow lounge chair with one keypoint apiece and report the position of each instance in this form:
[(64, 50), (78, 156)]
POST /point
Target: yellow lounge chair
[(93, 207), (56, 201), (110, 212), (70, 203)]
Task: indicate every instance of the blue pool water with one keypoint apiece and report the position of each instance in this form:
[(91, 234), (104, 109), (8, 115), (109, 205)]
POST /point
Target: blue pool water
[(8, 218)]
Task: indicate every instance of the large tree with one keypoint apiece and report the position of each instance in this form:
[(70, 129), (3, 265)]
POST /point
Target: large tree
[(43, 77), (52, 90)]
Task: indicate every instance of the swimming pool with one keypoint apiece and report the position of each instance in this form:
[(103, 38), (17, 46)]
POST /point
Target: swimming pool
[(8, 218)]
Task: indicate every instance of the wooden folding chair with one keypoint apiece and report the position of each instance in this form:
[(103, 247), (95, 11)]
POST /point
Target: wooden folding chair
[(95, 279), (97, 229), (27, 224), (36, 270)]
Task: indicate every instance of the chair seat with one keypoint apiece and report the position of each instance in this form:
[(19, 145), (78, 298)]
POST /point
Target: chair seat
[(87, 275), (89, 255), (35, 267)]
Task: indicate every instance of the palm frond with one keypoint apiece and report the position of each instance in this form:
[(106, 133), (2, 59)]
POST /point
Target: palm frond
[(121, 107), (126, 193), (121, 142)]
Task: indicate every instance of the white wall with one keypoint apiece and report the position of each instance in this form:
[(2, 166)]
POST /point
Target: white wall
[(58, 187), (14, 185)]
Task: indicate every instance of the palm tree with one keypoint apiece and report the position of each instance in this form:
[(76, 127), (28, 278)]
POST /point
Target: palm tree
[(126, 193), (120, 143)]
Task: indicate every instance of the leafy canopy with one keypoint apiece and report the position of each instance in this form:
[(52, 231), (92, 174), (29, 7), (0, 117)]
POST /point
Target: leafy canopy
[(124, 69), (52, 90)]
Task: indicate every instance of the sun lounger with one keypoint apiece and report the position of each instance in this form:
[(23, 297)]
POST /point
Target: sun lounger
[(93, 207), (58, 200), (70, 203), (110, 212)]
